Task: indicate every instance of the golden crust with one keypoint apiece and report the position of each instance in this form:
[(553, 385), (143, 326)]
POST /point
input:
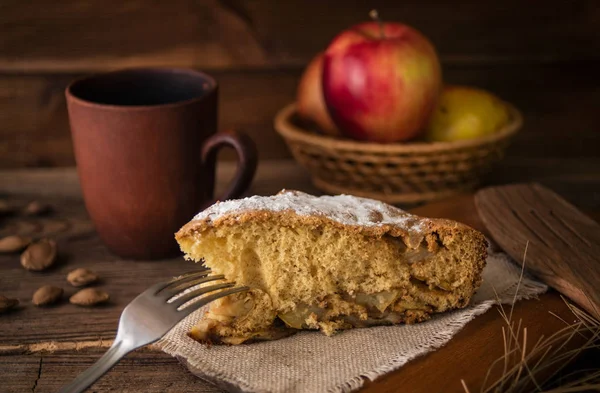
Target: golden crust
[(431, 225)]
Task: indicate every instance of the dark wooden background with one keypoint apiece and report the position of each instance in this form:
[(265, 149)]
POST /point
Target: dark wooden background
[(543, 56)]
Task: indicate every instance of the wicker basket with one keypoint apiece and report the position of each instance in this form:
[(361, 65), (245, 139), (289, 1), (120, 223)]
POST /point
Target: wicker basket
[(394, 173)]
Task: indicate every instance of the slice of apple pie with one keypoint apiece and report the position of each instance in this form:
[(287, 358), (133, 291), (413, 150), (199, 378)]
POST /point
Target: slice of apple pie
[(328, 263)]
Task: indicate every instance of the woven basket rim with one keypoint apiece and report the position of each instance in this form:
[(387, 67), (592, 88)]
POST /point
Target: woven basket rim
[(286, 128)]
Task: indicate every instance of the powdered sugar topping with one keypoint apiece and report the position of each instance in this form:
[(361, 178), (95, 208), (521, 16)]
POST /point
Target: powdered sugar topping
[(344, 209)]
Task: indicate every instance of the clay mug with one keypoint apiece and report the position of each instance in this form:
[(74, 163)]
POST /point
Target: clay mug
[(146, 144)]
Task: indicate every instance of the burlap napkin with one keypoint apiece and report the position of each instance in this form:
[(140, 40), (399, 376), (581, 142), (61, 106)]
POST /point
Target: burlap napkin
[(312, 362)]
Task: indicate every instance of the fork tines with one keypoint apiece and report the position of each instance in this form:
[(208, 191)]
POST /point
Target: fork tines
[(190, 286)]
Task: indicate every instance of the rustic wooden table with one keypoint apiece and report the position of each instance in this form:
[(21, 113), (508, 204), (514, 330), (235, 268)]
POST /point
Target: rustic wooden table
[(41, 349)]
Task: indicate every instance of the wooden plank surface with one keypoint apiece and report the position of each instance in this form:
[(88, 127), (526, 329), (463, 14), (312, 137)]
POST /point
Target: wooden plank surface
[(41, 349), (466, 356), (558, 103), (75, 36), (141, 371), (97, 35)]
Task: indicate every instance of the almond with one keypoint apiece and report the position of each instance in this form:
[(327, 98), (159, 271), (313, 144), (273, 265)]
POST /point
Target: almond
[(89, 297), (13, 243), (47, 295), (39, 255), (81, 277)]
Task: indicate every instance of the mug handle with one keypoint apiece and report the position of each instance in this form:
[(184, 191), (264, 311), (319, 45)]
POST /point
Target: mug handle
[(247, 159)]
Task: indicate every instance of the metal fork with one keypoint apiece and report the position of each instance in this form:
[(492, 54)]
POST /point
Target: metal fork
[(150, 316)]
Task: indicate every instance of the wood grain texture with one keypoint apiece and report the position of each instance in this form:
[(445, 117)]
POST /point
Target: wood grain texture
[(99, 35), (72, 36), (141, 371), (562, 244), (466, 356), (558, 103), (41, 349)]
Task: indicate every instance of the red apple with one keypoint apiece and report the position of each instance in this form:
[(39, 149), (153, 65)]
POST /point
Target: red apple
[(381, 82), (309, 98)]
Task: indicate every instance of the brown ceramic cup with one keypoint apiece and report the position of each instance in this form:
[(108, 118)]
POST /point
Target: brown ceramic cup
[(146, 144)]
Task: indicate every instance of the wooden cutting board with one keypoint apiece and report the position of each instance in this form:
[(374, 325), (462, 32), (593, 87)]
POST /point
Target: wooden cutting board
[(38, 348)]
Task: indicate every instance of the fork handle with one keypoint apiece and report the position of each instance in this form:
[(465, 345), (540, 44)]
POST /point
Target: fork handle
[(84, 380)]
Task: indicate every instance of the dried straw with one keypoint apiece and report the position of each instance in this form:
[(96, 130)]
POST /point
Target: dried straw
[(533, 368)]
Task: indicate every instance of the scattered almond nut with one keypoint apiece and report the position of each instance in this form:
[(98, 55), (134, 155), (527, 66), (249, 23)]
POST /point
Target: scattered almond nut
[(47, 295), (36, 208), (81, 277), (89, 297), (13, 243), (39, 255), (6, 303)]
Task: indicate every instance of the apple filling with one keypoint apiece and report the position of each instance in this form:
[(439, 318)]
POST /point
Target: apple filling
[(225, 320)]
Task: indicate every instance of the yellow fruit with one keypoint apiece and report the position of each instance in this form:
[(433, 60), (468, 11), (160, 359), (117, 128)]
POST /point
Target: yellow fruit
[(466, 113), (310, 100)]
